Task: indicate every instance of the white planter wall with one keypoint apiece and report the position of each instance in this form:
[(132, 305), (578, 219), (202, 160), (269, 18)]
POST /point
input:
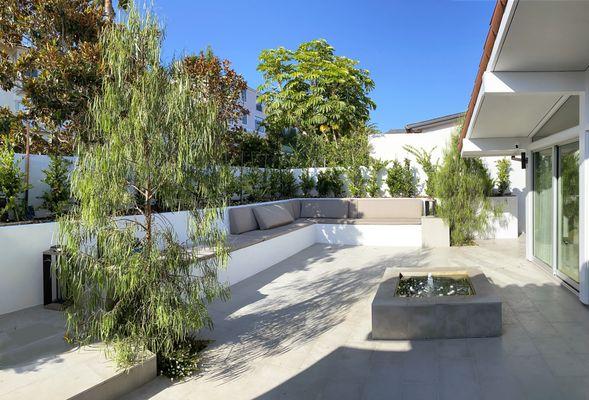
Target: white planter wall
[(21, 272), (506, 226)]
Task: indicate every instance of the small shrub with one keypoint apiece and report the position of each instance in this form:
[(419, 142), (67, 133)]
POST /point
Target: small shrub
[(463, 186), (330, 183), (356, 181), (307, 183), (400, 180), (12, 186), (503, 182), (57, 198), (424, 159), (374, 181), (288, 184), (256, 185), (183, 360)]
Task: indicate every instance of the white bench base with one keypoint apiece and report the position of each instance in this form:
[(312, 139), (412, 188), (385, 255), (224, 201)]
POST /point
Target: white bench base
[(250, 260)]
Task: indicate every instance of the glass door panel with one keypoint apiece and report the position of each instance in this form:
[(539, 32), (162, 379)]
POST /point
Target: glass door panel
[(568, 211), (543, 205)]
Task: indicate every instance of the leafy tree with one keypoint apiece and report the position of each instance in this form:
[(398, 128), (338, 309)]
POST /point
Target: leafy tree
[(503, 181), (57, 199), (214, 79), (314, 90), (463, 185), (49, 51), (131, 282), (400, 180), (12, 186)]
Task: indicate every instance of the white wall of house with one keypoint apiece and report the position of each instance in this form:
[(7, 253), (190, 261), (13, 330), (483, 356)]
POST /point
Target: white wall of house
[(390, 146)]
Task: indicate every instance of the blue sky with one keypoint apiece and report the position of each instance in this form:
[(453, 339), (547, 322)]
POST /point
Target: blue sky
[(422, 55)]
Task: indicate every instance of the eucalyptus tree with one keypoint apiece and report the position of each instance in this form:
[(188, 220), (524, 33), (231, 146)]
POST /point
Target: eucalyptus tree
[(131, 280)]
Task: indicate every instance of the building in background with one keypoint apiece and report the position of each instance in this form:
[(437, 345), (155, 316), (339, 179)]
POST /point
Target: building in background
[(252, 122)]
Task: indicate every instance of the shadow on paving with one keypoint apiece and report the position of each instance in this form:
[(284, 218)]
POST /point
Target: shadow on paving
[(283, 308)]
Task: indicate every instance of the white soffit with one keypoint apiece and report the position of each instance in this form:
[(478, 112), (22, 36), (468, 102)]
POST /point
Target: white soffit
[(546, 36), (511, 115)]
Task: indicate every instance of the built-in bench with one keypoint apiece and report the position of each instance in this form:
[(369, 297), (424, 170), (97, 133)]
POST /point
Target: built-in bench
[(264, 234)]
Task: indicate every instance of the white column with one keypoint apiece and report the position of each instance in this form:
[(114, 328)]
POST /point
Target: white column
[(584, 196), (529, 193)]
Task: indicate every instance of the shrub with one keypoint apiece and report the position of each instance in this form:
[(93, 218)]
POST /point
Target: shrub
[(330, 183), (256, 185), (288, 184), (374, 181), (503, 182), (307, 183), (356, 181), (463, 186), (400, 180), (12, 186), (424, 159), (183, 360), (57, 198)]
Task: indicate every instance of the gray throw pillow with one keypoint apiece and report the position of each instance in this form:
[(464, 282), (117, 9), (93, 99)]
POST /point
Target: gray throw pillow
[(272, 215), (242, 219)]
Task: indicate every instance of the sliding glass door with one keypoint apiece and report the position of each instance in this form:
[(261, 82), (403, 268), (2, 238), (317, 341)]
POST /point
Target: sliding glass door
[(567, 265), (543, 206)]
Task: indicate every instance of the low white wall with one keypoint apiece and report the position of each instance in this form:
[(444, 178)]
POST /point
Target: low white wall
[(21, 266), (369, 235), (253, 259), (21, 256), (506, 226)]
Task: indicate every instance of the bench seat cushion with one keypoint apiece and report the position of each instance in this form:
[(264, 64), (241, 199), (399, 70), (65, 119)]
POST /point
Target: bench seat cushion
[(328, 208), (389, 208), (273, 215)]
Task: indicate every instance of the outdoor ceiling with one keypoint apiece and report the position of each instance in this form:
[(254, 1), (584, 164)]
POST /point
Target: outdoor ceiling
[(546, 36), (511, 115)]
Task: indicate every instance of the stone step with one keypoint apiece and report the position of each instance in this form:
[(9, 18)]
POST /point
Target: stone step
[(36, 363)]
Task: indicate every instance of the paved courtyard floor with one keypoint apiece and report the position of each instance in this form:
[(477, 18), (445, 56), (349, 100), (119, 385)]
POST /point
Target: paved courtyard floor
[(301, 330)]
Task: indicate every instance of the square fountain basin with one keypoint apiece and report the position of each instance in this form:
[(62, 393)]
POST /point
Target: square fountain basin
[(396, 315)]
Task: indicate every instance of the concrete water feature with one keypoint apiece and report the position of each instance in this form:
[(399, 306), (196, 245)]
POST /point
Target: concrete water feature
[(439, 303)]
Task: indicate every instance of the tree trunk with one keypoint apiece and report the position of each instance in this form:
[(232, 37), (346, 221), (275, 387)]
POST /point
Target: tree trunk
[(109, 10)]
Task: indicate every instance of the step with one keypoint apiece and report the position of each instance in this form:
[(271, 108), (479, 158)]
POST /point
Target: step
[(35, 362)]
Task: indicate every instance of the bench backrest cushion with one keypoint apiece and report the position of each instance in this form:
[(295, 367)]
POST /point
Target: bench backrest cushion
[(332, 208), (296, 208), (389, 208), (273, 215), (242, 219)]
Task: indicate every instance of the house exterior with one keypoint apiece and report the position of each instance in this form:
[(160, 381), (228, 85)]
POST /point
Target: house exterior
[(530, 99), (252, 121)]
